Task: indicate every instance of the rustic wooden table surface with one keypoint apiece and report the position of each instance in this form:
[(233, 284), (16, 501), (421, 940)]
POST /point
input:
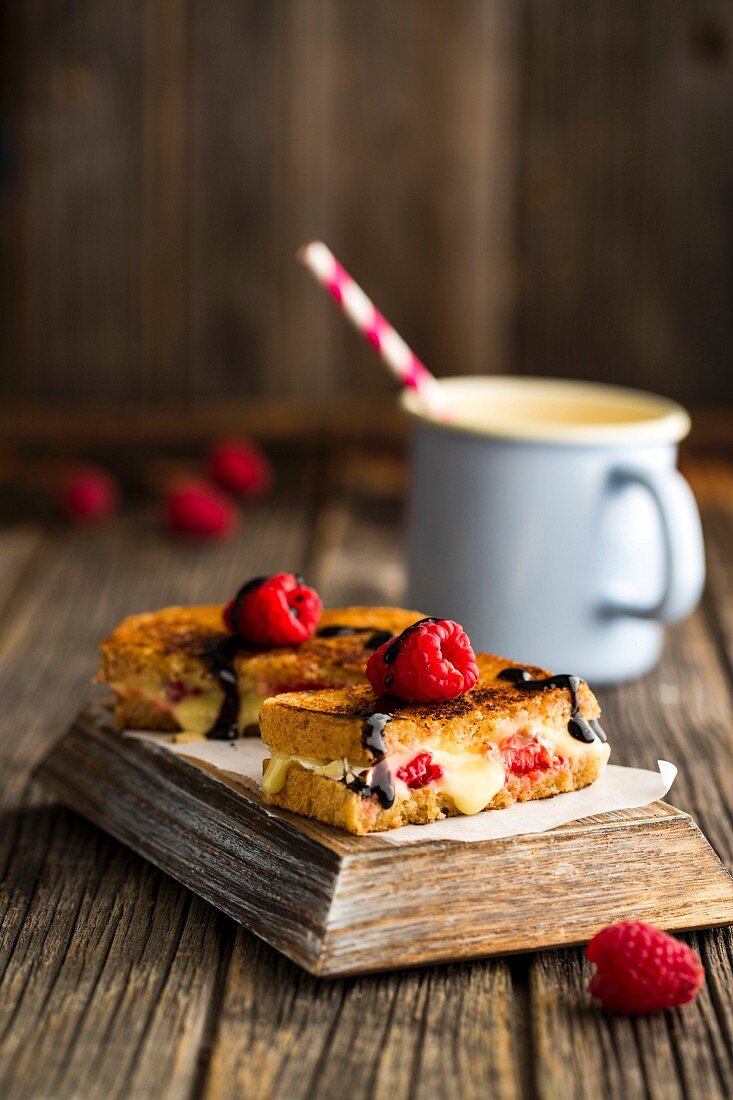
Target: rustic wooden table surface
[(117, 982)]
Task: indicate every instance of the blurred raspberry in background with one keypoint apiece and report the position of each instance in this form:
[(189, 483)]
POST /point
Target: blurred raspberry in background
[(240, 467), (89, 494), (198, 509)]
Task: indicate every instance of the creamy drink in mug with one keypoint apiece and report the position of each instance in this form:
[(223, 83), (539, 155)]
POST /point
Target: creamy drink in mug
[(549, 518)]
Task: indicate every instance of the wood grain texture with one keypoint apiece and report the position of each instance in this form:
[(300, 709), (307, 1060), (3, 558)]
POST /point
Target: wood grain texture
[(209, 1009), (382, 1034), (115, 969), (161, 363), (234, 110), (679, 1054), (110, 973), (621, 210), (300, 360), (77, 88), (535, 187), (467, 122)]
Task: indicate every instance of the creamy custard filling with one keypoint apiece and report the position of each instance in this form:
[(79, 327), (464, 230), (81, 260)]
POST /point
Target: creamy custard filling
[(471, 779)]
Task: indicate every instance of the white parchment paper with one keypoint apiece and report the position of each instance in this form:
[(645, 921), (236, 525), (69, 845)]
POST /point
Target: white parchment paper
[(617, 789)]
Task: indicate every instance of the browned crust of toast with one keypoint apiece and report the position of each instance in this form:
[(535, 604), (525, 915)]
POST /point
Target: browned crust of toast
[(330, 724), (168, 645), (333, 803), (140, 714)]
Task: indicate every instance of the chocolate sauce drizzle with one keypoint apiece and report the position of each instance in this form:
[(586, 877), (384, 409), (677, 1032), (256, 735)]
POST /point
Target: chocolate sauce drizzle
[(337, 631), (372, 737), (375, 639), (219, 660), (393, 651), (582, 729), (380, 782), (379, 637)]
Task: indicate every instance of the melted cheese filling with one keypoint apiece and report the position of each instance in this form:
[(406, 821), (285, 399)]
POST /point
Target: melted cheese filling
[(194, 713), (276, 773), (471, 779)]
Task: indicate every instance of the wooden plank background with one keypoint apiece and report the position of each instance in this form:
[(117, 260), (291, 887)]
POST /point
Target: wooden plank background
[(523, 185)]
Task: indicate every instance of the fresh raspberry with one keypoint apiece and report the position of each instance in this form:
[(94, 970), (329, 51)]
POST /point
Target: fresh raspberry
[(523, 759), (240, 467), (430, 661), (640, 969), (420, 771), (199, 509), (89, 495), (277, 610)]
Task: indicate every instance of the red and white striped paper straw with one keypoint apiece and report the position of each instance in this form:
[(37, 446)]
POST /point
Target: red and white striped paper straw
[(364, 315)]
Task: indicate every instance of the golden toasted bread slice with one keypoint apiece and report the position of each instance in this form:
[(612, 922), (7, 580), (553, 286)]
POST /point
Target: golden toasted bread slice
[(366, 765), (164, 666)]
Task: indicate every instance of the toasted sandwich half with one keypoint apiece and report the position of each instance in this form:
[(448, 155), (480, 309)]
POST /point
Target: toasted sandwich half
[(367, 765), (178, 669)]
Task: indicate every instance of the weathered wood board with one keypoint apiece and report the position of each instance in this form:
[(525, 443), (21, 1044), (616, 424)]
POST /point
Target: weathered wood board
[(338, 904)]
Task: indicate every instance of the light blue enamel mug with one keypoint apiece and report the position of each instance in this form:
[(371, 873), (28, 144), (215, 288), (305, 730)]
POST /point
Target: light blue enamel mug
[(548, 517)]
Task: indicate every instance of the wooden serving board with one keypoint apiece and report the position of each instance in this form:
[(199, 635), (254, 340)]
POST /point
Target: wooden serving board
[(338, 904)]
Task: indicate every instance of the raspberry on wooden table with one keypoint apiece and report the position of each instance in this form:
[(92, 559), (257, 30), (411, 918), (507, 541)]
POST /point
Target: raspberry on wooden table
[(276, 610), (430, 661), (89, 495), (240, 467), (200, 510), (640, 969)]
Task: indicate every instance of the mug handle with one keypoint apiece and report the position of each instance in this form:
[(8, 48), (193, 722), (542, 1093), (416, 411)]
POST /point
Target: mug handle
[(683, 543)]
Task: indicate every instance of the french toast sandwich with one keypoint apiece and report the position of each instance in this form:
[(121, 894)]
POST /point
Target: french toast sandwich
[(167, 667), (365, 764)]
